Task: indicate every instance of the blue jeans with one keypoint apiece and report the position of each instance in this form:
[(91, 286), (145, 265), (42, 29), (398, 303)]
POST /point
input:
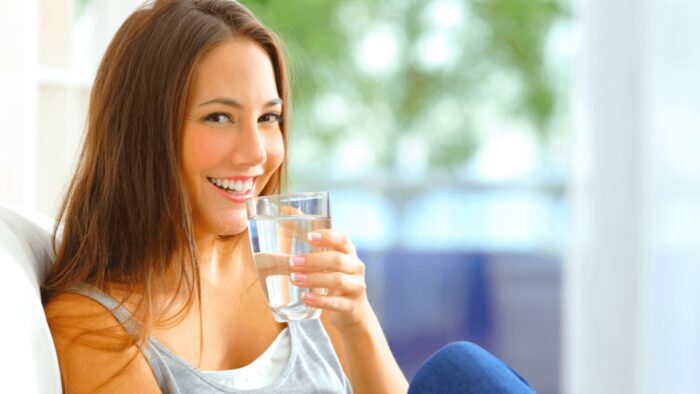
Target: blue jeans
[(463, 367)]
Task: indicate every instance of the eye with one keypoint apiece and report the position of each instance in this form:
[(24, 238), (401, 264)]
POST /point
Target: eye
[(218, 118), (271, 117)]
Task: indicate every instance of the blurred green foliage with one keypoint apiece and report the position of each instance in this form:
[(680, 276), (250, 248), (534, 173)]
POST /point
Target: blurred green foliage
[(491, 39), (81, 5), (496, 59)]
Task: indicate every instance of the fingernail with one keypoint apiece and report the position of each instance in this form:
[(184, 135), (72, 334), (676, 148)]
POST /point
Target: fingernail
[(298, 277), (308, 296), (297, 261), (314, 236)]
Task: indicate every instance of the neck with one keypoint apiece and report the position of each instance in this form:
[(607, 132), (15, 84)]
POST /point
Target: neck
[(228, 258)]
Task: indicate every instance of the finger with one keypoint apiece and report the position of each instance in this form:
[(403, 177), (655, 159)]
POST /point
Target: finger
[(333, 281), (329, 303), (332, 239), (327, 261)]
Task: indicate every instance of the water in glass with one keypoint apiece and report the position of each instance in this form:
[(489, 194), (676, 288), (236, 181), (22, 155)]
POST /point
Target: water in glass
[(274, 241)]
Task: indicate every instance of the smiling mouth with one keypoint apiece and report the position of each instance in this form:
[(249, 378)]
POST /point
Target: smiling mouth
[(233, 186)]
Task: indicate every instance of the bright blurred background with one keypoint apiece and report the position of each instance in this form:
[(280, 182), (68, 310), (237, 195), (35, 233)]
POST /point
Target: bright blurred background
[(523, 174)]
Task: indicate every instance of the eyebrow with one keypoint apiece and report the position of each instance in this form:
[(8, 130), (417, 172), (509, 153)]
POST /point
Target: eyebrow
[(236, 104)]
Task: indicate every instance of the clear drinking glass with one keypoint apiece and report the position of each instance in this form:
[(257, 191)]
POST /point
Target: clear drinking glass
[(278, 226)]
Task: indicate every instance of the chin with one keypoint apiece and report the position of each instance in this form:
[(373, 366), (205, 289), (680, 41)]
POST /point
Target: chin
[(232, 223)]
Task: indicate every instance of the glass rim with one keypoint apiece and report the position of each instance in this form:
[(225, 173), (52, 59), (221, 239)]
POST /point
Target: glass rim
[(290, 196)]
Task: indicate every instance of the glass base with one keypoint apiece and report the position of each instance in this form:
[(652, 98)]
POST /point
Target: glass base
[(283, 315)]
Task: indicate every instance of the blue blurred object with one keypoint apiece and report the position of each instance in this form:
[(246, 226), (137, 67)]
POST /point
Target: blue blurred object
[(477, 318), (507, 303), (463, 367)]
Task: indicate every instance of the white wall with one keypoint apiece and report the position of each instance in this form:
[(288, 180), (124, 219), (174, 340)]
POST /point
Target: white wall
[(19, 46), (631, 300), (50, 55)]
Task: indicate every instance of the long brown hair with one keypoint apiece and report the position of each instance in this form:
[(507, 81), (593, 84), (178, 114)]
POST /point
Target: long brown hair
[(125, 219)]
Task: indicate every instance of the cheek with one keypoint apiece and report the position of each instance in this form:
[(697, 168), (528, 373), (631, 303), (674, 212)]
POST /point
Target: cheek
[(274, 149), (275, 152), (201, 150)]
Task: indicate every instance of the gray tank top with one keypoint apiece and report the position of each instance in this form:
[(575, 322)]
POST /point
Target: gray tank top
[(313, 366)]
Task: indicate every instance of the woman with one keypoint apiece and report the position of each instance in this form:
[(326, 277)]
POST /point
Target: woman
[(190, 92), (154, 287)]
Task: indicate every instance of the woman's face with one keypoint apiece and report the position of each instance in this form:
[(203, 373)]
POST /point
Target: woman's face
[(232, 140)]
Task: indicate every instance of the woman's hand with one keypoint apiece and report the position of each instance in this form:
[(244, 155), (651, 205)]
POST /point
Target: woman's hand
[(337, 269), (368, 361)]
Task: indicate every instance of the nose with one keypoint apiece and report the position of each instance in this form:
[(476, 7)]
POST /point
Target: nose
[(249, 149)]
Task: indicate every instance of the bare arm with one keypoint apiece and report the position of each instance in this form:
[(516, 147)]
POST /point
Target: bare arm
[(348, 317), (366, 358), (91, 353)]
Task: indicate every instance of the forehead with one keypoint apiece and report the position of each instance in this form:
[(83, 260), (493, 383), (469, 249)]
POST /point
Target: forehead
[(237, 68)]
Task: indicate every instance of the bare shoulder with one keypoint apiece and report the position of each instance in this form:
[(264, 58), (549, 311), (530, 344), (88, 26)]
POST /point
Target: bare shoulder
[(94, 352)]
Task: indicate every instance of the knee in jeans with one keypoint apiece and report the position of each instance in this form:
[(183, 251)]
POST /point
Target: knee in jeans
[(466, 367), (464, 347), (461, 352)]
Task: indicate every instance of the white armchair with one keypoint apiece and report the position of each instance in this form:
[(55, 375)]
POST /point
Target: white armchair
[(28, 362)]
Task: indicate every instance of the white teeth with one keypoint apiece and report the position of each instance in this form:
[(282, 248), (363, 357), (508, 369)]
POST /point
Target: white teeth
[(235, 186)]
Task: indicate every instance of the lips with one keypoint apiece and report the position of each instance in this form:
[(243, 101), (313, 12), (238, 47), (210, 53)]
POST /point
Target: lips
[(236, 189)]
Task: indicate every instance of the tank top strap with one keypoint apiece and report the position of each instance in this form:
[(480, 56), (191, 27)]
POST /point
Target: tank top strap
[(120, 313), (131, 327)]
